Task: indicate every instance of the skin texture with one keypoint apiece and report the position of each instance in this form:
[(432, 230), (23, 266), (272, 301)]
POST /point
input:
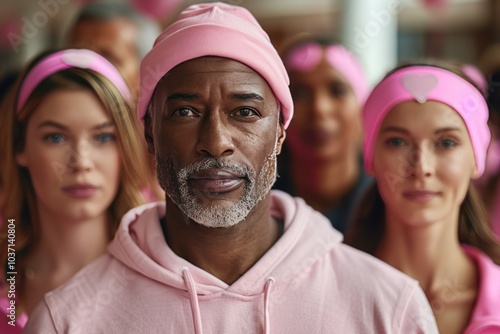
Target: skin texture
[(323, 138), (70, 141), (216, 109), (426, 147), (115, 40)]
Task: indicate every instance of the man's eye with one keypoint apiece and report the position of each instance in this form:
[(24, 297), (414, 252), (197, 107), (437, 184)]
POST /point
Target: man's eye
[(184, 112), (245, 112)]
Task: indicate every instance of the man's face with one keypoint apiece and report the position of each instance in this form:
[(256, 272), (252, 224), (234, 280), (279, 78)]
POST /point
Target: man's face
[(215, 133), (115, 40)]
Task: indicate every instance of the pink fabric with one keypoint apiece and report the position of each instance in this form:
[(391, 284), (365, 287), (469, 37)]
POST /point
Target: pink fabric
[(476, 76), (20, 321), (308, 282), (307, 56), (485, 318), (65, 59), (422, 83), (215, 29)]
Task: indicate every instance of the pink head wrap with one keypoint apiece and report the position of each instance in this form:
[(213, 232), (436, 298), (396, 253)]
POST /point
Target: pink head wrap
[(422, 83), (476, 76), (65, 59), (215, 29), (307, 56)]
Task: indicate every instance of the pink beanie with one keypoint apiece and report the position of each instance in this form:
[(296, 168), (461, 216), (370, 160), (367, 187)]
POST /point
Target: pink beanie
[(215, 29), (422, 83)]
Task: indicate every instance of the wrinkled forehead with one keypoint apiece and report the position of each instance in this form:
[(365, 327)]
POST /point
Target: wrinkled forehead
[(221, 75)]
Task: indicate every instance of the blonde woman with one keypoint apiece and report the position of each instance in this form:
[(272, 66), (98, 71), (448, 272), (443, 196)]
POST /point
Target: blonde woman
[(73, 165)]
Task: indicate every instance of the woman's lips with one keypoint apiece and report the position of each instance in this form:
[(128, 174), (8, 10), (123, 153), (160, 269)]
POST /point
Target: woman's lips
[(80, 190), (420, 195), (216, 182)]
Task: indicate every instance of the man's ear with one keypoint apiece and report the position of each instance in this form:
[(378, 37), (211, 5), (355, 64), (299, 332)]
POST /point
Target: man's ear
[(281, 138), (148, 131)]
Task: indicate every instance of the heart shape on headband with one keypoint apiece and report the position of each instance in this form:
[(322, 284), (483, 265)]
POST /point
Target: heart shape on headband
[(420, 85), (78, 58)]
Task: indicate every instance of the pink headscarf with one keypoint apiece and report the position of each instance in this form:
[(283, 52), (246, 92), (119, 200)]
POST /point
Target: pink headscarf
[(422, 83), (215, 29), (307, 56)]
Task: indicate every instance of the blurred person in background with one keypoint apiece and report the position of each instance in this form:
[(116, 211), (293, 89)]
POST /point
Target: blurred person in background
[(426, 138), (321, 160), (116, 31), (73, 165)]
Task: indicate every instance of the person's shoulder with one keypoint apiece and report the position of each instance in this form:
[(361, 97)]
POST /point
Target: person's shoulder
[(359, 265), (397, 300)]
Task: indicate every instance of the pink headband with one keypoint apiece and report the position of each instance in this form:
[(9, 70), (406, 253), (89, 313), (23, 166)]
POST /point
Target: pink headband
[(307, 56), (70, 58), (215, 29), (422, 83), (476, 76)]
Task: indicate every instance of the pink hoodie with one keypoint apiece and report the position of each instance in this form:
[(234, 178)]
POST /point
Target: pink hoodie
[(308, 282), (485, 318)]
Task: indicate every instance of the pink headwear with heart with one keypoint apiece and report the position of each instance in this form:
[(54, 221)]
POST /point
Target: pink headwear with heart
[(423, 83)]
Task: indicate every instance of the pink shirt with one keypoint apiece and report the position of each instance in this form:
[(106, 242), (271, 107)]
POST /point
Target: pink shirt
[(308, 282), (485, 318)]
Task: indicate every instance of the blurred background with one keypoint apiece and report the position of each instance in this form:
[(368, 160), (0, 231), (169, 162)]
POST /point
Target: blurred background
[(381, 32)]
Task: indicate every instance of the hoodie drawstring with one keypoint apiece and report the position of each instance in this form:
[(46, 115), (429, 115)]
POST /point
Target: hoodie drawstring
[(193, 300), (267, 293)]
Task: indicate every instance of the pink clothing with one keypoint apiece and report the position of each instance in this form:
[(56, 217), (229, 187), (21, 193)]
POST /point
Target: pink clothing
[(19, 323), (308, 282), (485, 318)]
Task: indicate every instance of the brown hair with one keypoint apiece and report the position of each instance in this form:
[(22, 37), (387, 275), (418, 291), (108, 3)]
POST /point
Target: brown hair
[(21, 202)]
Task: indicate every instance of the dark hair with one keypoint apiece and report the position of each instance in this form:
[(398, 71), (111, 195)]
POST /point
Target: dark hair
[(147, 29), (298, 40)]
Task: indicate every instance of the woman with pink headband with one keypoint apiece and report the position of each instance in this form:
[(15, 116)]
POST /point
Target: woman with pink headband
[(321, 161), (73, 165), (426, 138)]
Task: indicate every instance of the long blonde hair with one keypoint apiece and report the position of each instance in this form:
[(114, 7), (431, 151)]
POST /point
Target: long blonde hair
[(20, 201)]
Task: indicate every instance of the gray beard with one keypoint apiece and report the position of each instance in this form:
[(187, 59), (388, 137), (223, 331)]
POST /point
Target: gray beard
[(177, 189)]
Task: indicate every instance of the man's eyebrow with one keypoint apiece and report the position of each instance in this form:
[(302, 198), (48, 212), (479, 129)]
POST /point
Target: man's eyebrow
[(247, 96), (182, 97)]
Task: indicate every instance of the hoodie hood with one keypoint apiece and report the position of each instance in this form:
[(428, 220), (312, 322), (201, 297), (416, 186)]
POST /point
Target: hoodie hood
[(140, 245)]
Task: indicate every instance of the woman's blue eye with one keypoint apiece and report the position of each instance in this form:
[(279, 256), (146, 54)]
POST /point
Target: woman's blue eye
[(55, 138), (447, 143), (396, 142), (105, 137)]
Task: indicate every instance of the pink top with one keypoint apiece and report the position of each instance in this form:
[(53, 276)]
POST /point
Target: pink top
[(308, 282), (485, 318), (9, 324)]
